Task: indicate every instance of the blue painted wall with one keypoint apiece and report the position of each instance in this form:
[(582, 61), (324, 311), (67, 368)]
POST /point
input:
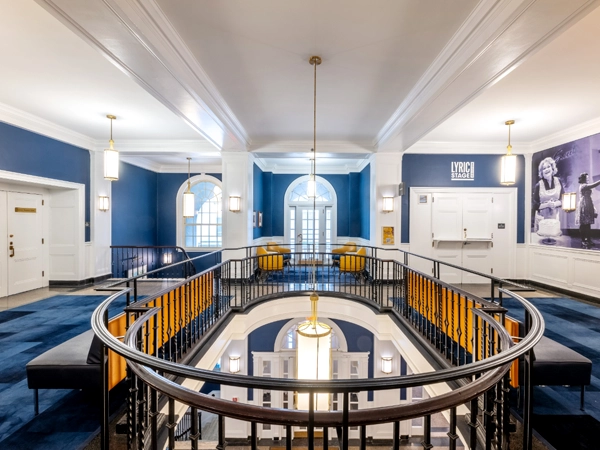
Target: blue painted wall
[(365, 202), (167, 186), (434, 171), (258, 200), (351, 189), (134, 208), (25, 152)]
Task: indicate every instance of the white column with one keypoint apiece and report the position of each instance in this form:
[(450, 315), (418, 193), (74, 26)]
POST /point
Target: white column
[(237, 181), (98, 254), (386, 175)]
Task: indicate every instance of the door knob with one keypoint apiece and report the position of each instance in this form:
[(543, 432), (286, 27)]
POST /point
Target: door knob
[(12, 251)]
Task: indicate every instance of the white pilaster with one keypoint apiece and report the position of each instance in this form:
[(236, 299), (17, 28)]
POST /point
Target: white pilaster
[(99, 257), (386, 175), (237, 181)]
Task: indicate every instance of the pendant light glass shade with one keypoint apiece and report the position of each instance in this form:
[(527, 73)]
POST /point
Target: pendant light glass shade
[(111, 157), (188, 198), (508, 171), (508, 163), (311, 189)]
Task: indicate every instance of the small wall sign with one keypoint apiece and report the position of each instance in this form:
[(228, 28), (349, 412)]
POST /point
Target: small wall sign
[(501, 226), (462, 171)]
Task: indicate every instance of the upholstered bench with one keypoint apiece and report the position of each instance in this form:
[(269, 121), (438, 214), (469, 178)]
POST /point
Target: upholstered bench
[(74, 364), (557, 365)]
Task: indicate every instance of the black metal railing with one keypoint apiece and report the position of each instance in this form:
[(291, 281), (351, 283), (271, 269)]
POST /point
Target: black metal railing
[(145, 261), (168, 328)]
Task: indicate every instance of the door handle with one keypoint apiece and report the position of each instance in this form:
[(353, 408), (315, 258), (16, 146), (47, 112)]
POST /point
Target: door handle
[(12, 251)]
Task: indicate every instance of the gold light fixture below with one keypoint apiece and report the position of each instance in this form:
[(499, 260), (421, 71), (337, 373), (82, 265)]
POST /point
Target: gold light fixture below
[(386, 364), (569, 201), (508, 170), (111, 156), (188, 197), (234, 364)]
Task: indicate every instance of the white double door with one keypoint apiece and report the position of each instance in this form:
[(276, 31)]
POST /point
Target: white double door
[(21, 234), (312, 228), (461, 225)]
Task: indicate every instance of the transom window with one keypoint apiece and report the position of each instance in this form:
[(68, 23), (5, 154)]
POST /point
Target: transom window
[(300, 193), (204, 230)]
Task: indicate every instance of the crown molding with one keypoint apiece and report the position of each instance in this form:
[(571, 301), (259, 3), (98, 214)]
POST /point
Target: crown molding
[(456, 53), (469, 148), (148, 164), (470, 61), (157, 30), (151, 59), (306, 145), (160, 146), (579, 131), (29, 122)]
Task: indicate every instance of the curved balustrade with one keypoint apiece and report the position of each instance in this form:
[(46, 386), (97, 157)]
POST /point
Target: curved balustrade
[(164, 331)]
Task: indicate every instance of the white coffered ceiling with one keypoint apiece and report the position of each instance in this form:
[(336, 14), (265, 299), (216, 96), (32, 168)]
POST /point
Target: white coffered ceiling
[(196, 78)]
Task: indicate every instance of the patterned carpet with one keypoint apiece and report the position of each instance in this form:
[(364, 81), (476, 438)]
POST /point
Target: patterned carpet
[(576, 325), (26, 332)]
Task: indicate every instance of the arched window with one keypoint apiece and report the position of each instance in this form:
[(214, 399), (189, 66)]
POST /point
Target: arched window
[(300, 218), (204, 230)]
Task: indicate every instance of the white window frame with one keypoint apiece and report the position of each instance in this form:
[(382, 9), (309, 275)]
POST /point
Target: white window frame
[(287, 204), (179, 212)]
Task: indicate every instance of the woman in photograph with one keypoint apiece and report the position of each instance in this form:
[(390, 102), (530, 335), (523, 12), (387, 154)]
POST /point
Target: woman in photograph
[(586, 212), (547, 196)]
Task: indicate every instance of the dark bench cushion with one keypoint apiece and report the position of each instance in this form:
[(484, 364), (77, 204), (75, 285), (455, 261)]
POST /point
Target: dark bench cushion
[(65, 366), (555, 365)]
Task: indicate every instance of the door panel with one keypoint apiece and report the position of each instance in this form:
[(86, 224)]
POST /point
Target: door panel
[(449, 253), (446, 217), (476, 256), (477, 216), (24, 219)]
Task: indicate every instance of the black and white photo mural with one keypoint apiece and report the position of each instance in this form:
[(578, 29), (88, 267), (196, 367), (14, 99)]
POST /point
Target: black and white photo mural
[(566, 195)]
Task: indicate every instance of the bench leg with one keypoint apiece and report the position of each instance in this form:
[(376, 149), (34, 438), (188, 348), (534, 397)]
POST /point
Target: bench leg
[(36, 406), (582, 402)]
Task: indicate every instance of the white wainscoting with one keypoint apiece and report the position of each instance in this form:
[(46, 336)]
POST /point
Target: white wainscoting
[(572, 269)]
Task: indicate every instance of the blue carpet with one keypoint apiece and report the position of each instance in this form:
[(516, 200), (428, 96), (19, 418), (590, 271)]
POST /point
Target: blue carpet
[(576, 325), (26, 332)]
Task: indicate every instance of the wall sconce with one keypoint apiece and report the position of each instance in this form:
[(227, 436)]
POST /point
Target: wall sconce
[(569, 201), (168, 258), (234, 364), (386, 364), (103, 203), (388, 204), (235, 203), (508, 169)]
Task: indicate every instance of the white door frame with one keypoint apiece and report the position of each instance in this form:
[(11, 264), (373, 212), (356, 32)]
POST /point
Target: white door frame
[(420, 235), (61, 260)]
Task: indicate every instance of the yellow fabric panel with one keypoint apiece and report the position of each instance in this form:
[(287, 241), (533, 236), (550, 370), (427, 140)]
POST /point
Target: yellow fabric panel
[(169, 319), (117, 367), (513, 328)]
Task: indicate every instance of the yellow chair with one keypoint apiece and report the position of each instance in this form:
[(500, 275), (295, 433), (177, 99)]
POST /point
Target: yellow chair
[(268, 262), (354, 264), (286, 252), (339, 251)]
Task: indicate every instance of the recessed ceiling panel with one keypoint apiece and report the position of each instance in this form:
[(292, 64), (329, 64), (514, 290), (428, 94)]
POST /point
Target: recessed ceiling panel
[(256, 53)]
